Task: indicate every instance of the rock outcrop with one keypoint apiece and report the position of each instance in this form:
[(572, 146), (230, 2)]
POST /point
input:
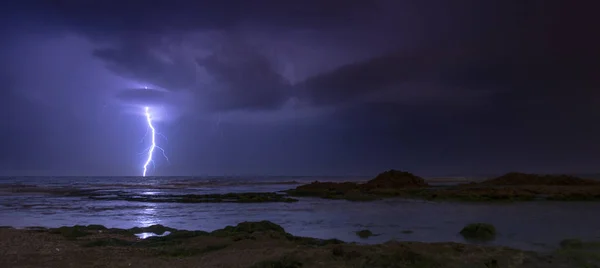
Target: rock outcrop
[(394, 179), (515, 178)]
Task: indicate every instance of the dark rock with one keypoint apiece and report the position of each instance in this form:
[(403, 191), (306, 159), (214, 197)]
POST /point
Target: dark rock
[(394, 179), (284, 262), (364, 233), (571, 244), (108, 242), (516, 178), (71, 232), (96, 227), (479, 231), (252, 227), (156, 228)]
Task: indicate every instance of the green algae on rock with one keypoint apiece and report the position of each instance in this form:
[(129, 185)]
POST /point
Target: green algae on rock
[(251, 227), (571, 243), (517, 178), (283, 262), (581, 253), (364, 233), (268, 246), (479, 231), (73, 232)]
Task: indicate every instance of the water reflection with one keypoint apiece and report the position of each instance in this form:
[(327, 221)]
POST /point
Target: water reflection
[(530, 225), (147, 216), (146, 235)]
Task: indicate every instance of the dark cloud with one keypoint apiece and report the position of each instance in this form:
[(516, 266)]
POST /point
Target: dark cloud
[(413, 78), (121, 17), (243, 79), (477, 55), (465, 85), (236, 76), (134, 59), (530, 65), (468, 53)]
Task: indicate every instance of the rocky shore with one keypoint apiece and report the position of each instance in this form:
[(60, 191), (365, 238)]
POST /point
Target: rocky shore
[(261, 245), (509, 187)]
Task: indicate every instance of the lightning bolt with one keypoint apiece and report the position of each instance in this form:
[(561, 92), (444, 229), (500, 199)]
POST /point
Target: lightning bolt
[(153, 146)]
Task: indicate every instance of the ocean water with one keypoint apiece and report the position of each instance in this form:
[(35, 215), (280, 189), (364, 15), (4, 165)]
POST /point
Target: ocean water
[(41, 201)]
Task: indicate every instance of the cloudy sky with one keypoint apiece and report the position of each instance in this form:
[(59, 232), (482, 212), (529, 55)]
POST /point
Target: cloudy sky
[(312, 87)]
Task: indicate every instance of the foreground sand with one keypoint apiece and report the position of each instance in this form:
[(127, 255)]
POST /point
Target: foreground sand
[(253, 244)]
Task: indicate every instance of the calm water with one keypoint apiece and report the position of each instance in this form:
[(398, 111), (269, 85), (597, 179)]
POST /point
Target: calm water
[(531, 225)]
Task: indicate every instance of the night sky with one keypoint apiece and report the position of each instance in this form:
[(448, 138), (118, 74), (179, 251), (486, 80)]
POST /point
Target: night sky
[(311, 87)]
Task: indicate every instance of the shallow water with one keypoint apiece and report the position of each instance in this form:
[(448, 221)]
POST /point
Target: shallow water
[(530, 225)]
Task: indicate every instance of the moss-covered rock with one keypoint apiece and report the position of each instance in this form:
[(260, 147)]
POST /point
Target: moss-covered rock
[(339, 251), (364, 233), (478, 194), (108, 242), (403, 257), (479, 231), (571, 244), (516, 178), (182, 251), (575, 243), (283, 262), (200, 249), (72, 232), (314, 241), (251, 227)]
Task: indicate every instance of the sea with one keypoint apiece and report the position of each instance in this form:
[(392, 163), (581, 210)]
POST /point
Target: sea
[(538, 226)]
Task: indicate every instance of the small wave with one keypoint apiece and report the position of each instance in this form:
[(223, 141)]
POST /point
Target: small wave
[(74, 186), (185, 184)]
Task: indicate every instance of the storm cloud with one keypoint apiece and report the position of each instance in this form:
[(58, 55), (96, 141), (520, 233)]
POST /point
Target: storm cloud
[(416, 84)]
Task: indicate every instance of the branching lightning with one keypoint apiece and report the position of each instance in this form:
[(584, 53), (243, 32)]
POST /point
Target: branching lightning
[(153, 145)]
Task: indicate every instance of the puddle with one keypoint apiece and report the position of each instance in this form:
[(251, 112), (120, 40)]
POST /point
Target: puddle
[(146, 235)]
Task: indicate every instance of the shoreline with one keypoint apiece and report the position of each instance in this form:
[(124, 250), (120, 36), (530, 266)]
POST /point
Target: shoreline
[(511, 187), (259, 245)]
